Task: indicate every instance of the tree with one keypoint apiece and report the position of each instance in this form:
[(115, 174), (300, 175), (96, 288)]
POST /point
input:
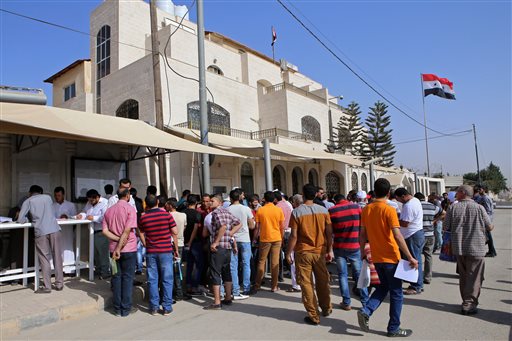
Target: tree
[(490, 176), (377, 143), (348, 131)]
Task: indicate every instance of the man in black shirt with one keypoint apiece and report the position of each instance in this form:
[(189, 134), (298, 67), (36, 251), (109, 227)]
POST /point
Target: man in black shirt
[(193, 245)]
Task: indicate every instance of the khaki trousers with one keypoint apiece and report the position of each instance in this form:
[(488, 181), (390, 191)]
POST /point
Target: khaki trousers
[(275, 249), (471, 276), (50, 247), (306, 264)]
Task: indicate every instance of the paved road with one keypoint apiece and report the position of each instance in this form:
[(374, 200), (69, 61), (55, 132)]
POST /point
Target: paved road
[(432, 315)]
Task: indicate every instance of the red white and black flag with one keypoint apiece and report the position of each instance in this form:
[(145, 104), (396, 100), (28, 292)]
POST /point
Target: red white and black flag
[(274, 36), (433, 85)]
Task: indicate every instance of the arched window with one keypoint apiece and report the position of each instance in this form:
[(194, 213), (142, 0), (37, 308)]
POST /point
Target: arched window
[(279, 178), (332, 183), (364, 182), (102, 60), (215, 69), (247, 178), (313, 177), (218, 118), (354, 181), (311, 128), (297, 180), (128, 109)]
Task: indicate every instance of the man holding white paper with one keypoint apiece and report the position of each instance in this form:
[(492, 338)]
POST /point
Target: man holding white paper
[(380, 226)]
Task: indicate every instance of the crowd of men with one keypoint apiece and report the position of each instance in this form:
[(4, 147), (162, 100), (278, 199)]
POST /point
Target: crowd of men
[(205, 244)]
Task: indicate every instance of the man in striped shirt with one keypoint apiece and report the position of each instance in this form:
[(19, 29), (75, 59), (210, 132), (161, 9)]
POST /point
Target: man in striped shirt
[(346, 218), (157, 227)]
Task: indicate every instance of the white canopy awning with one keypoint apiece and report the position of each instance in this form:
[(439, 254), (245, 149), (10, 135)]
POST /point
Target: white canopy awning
[(52, 122)]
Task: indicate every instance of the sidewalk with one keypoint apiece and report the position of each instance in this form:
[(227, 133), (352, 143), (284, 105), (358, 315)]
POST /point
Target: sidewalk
[(21, 309)]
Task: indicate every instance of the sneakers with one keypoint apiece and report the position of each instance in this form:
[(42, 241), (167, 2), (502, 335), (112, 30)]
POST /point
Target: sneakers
[(240, 297), (400, 333), (167, 312), (345, 307), (154, 312), (364, 321)]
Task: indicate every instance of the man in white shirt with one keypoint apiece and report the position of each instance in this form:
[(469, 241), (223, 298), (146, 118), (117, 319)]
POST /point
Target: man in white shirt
[(243, 241), (94, 211), (64, 209), (411, 227), (124, 184)]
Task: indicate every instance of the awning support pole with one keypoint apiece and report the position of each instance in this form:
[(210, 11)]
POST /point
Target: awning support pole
[(268, 166)]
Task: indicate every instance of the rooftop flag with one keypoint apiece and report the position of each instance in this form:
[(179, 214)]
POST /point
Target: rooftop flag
[(274, 36), (433, 85)]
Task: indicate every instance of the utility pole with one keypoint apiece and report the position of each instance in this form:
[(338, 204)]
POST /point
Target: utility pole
[(205, 164), (479, 181), (157, 85)]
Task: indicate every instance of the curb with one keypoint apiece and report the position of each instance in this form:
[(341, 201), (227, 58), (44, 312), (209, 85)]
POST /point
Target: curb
[(74, 311)]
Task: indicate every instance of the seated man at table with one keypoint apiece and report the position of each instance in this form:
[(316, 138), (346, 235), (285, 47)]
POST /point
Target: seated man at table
[(64, 209), (47, 236), (94, 211)]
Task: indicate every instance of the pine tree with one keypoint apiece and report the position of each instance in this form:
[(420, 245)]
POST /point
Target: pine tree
[(377, 143), (347, 137)]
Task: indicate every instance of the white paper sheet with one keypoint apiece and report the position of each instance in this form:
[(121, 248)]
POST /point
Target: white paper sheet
[(405, 272)]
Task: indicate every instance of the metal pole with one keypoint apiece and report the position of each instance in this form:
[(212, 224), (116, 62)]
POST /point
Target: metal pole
[(477, 163), (159, 115), (205, 159), (372, 177), (425, 123), (268, 166)]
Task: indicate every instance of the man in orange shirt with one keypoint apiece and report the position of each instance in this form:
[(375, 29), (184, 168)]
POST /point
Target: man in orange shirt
[(270, 228), (311, 239), (380, 226)]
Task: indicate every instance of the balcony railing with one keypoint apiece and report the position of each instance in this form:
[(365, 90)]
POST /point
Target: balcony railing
[(288, 86), (250, 135)]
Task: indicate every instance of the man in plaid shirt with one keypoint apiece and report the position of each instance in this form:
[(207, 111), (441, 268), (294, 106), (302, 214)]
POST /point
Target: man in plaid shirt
[(224, 225)]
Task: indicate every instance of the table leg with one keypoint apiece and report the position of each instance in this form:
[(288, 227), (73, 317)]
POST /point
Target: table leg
[(91, 252), (25, 255), (78, 232), (36, 270)]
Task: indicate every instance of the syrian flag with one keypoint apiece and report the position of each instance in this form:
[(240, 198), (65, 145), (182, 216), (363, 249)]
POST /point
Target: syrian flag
[(433, 85), (274, 36)]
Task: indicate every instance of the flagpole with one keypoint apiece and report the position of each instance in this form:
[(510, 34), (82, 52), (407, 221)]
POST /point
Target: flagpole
[(425, 123)]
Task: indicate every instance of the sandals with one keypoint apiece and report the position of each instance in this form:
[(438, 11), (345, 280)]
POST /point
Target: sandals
[(292, 289), (411, 291), (276, 289), (213, 307)]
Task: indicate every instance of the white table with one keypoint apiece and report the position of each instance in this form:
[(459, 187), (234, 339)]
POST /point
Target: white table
[(26, 272)]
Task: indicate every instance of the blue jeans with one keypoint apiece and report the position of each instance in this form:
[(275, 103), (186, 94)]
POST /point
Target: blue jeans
[(194, 258), (141, 253), (122, 283), (244, 250), (388, 283), (343, 256), (438, 233), (160, 270), (415, 244)]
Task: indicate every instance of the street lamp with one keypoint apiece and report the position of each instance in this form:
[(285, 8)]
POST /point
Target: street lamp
[(331, 137)]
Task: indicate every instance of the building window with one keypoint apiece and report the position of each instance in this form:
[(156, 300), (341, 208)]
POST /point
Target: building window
[(355, 186), (215, 69), (218, 118), (364, 182), (128, 109), (69, 92), (247, 178), (102, 60), (332, 183), (311, 128), (313, 177)]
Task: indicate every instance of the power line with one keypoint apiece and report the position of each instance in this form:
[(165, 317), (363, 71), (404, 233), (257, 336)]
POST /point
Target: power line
[(353, 71), (456, 134)]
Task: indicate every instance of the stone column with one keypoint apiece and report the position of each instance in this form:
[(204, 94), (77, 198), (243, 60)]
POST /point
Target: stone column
[(6, 180)]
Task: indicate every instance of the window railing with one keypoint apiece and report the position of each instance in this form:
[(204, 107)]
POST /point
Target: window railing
[(249, 135), (300, 91)]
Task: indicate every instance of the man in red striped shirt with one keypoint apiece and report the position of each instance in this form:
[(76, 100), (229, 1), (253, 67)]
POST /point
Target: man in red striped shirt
[(346, 220), (157, 227)]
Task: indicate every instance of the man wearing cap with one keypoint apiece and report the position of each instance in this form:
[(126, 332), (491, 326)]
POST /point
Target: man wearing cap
[(361, 199)]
